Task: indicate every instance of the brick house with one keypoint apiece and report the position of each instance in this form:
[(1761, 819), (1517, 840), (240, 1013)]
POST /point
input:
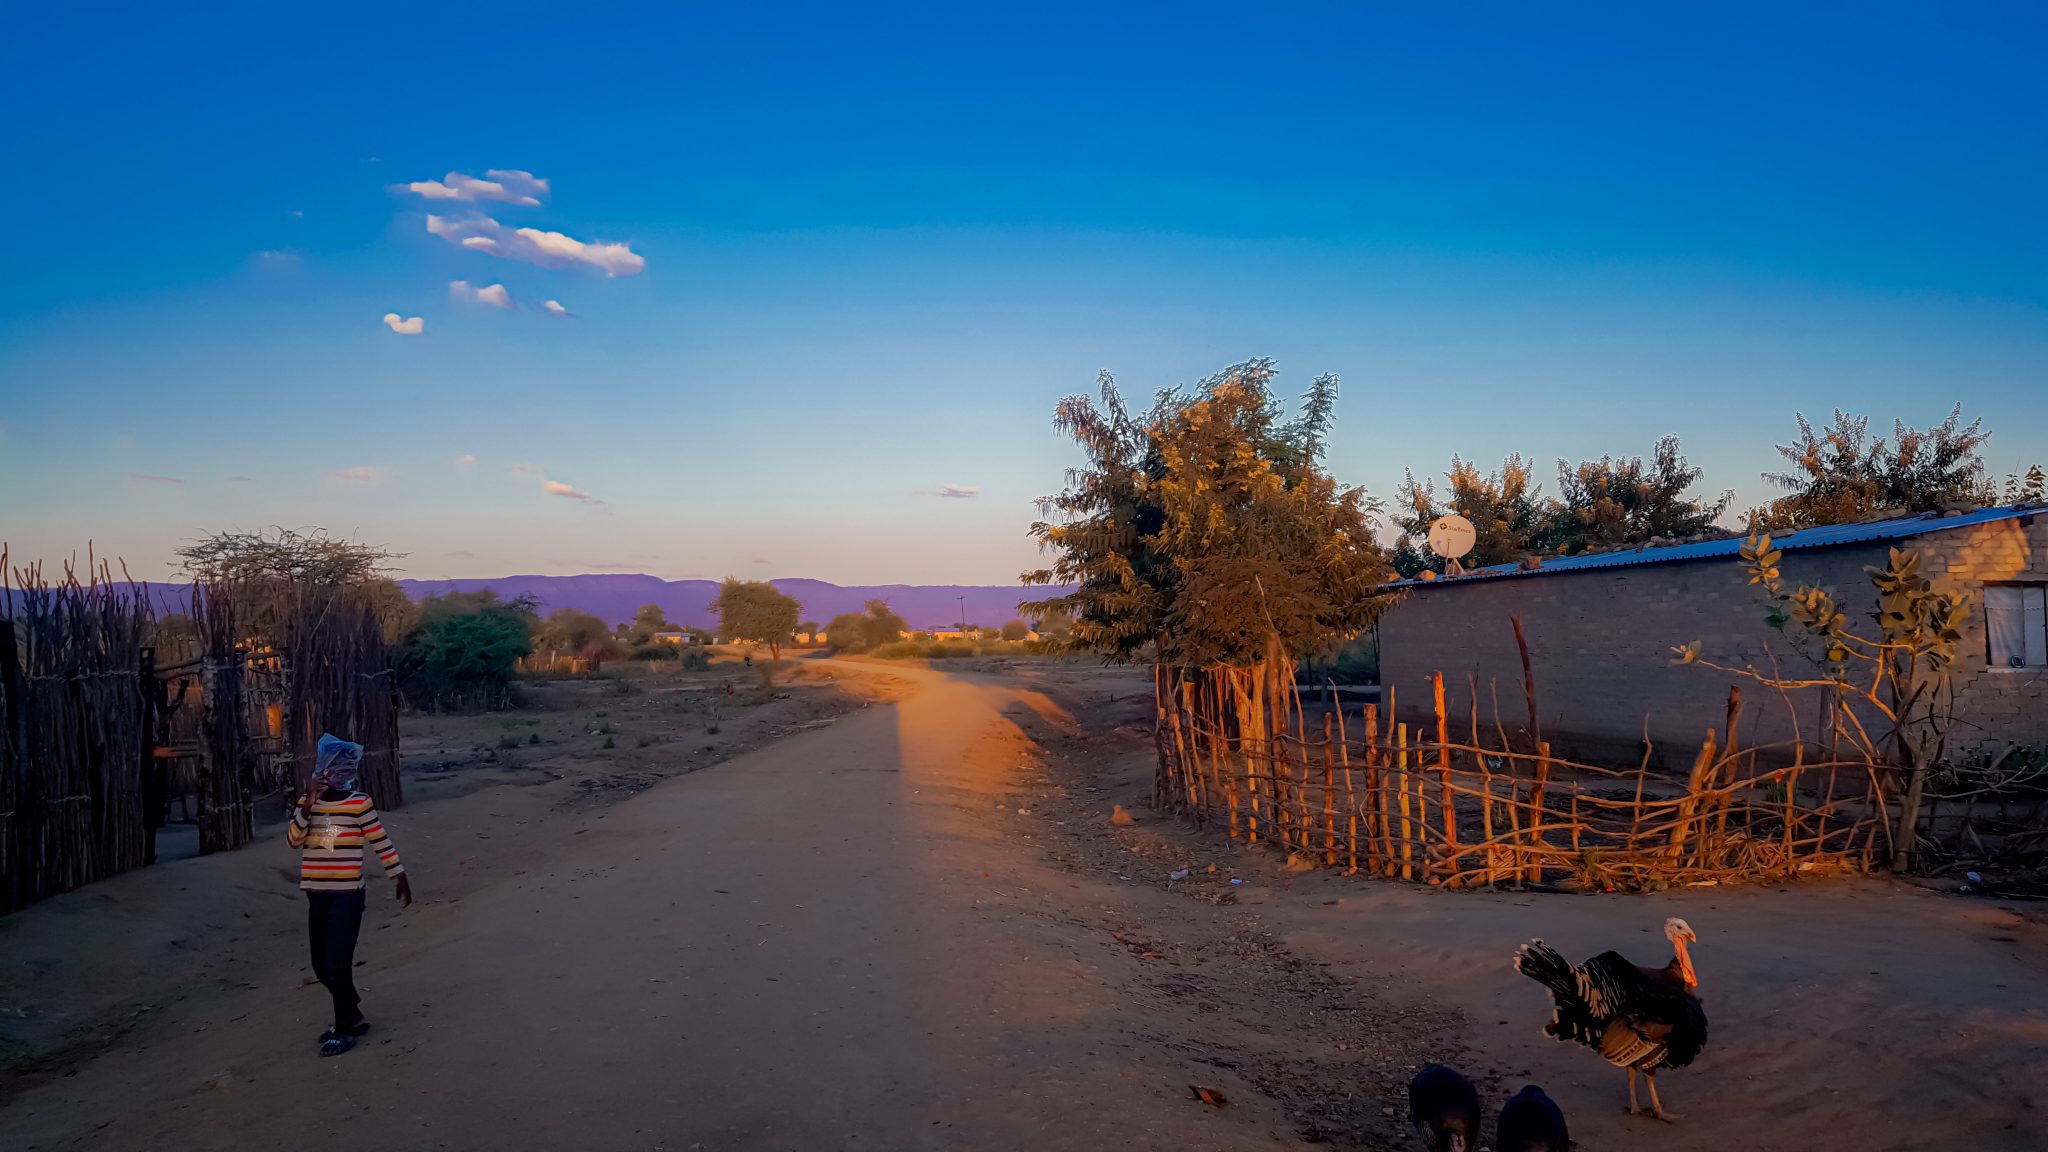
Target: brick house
[(1601, 629)]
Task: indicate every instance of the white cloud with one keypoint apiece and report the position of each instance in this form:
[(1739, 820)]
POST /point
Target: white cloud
[(534, 246), (508, 185), (466, 460), (568, 492), (412, 327), (494, 294), (148, 478), (360, 474), (554, 308), (522, 468), (953, 492)]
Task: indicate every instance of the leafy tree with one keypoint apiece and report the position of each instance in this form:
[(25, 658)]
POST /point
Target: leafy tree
[(1842, 475), (2031, 488), (808, 628), (865, 631), (1410, 561), (577, 633), (1609, 502), (881, 625), (395, 610), (754, 610), (1016, 630), (465, 649), (1510, 517), (1207, 532), (847, 632), (646, 622)]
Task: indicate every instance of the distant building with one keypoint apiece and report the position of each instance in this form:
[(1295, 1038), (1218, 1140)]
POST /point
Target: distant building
[(1601, 629), (678, 637)]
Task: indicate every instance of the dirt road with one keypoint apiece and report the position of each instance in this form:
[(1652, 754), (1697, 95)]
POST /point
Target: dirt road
[(845, 940), (915, 927)]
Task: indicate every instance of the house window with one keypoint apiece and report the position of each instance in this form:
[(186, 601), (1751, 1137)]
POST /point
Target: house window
[(2016, 622)]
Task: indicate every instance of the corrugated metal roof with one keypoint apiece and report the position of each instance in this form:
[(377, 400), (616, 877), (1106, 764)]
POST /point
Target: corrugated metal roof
[(1830, 536)]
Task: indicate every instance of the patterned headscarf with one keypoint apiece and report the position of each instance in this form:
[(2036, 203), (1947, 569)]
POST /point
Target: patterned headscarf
[(336, 763)]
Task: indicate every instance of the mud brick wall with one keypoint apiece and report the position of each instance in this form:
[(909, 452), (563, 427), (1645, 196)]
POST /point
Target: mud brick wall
[(1601, 640)]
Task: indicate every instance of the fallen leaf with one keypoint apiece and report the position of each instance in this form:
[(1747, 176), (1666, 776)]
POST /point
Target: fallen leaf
[(1209, 1096)]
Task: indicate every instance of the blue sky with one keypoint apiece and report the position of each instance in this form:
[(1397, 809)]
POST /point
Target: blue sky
[(867, 248)]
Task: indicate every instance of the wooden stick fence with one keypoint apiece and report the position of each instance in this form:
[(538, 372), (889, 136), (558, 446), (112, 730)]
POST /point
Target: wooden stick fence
[(74, 734), (92, 721), (1462, 811)]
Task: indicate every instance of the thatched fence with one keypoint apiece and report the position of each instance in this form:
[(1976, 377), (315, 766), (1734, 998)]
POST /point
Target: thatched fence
[(105, 720), (74, 733), (1459, 802)]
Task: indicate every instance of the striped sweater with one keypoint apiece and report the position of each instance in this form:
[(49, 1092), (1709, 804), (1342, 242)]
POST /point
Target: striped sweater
[(332, 840)]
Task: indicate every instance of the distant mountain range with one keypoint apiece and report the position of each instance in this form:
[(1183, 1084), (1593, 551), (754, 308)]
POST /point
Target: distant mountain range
[(614, 598)]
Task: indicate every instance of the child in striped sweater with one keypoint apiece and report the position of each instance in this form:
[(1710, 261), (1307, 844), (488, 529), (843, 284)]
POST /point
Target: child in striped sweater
[(332, 828)]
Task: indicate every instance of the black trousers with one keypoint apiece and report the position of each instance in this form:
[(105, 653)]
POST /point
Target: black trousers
[(333, 920)]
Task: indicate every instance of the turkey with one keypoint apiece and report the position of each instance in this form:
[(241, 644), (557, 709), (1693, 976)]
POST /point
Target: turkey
[(1531, 1122), (1444, 1107), (1641, 1019)]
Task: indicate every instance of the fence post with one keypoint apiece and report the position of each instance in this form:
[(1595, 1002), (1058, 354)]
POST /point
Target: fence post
[(1443, 768)]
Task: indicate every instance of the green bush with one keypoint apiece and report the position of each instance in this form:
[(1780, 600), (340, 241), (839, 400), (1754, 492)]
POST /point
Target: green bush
[(695, 660), (465, 659)]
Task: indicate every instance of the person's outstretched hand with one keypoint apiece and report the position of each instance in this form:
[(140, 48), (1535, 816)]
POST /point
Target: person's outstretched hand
[(404, 890)]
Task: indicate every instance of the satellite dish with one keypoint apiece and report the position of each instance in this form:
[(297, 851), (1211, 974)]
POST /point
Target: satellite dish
[(1451, 536)]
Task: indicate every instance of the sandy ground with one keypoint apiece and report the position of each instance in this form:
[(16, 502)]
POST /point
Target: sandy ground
[(1860, 1014), (914, 926)]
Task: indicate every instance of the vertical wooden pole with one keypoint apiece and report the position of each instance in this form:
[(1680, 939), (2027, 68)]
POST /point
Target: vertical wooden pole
[(1443, 767), (1373, 799), (1251, 739), (1702, 765), (1528, 681), (1329, 790), (1536, 838), (1575, 818), (1219, 752), (1401, 782), (1350, 793), (1485, 789), (1729, 757)]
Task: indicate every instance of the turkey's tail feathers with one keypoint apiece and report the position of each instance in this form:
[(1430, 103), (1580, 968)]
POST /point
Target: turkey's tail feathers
[(1543, 964), (1574, 1019)]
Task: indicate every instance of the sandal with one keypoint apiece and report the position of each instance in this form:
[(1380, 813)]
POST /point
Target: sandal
[(333, 1045)]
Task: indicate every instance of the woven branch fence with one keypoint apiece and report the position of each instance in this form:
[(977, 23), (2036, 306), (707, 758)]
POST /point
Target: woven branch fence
[(99, 729), (74, 732), (1459, 803)]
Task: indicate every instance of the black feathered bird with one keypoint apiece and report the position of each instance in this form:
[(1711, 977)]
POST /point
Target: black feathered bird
[(1641, 1019), (1531, 1122), (1444, 1107)]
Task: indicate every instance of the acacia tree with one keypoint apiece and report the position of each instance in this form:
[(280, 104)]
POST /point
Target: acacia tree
[(1206, 534), (1841, 475), (1612, 502), (754, 610), (574, 632), (1509, 514), (862, 631)]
